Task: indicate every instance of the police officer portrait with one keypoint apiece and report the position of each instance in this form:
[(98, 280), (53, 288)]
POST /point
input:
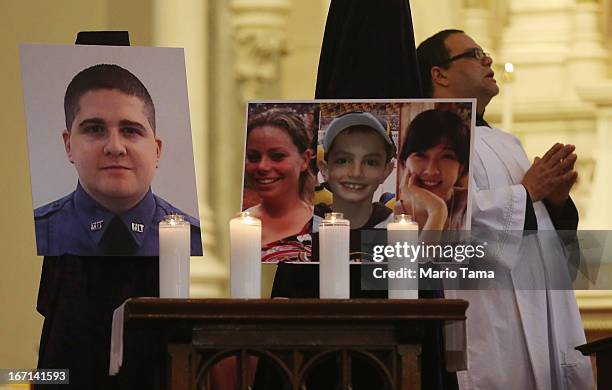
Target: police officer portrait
[(103, 192)]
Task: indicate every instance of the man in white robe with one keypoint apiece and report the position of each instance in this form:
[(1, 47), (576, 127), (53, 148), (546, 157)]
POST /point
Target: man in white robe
[(521, 339)]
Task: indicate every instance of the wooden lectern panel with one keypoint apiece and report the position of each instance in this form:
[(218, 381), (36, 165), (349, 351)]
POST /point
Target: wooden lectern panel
[(603, 356), (292, 339)]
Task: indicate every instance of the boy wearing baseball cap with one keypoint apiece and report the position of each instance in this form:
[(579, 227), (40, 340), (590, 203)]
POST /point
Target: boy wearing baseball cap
[(357, 159)]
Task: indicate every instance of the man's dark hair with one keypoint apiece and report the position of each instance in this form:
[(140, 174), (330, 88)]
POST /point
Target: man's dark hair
[(430, 53), (105, 76)]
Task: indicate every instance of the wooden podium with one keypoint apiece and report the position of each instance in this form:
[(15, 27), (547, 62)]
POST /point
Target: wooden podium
[(293, 335), (603, 355)]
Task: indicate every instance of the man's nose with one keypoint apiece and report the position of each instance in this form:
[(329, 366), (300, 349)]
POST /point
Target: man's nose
[(114, 144), (487, 60)]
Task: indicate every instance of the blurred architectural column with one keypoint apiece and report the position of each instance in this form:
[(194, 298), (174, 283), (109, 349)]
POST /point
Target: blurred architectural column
[(587, 62), (540, 40), (556, 45), (536, 40), (429, 17), (185, 24), (247, 42), (587, 68), (260, 42), (599, 213), (477, 22)]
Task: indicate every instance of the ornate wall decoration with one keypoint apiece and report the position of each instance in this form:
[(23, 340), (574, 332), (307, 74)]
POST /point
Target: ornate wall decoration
[(259, 42)]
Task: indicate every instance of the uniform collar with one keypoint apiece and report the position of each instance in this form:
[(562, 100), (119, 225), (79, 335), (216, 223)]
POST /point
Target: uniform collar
[(97, 218)]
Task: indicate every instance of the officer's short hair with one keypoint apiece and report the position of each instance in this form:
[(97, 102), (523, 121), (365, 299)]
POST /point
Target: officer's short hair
[(430, 53), (105, 76)]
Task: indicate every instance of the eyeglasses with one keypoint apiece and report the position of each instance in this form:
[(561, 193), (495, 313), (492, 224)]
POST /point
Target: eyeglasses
[(476, 53)]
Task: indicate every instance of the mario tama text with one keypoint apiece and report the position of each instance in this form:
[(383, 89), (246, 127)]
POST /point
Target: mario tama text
[(432, 273), (440, 253)]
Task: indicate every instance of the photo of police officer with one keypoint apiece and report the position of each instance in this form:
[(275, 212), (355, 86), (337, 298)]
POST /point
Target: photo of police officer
[(111, 140)]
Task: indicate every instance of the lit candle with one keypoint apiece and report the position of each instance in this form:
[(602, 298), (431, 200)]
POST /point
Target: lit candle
[(174, 249), (245, 256), (403, 230), (334, 237)]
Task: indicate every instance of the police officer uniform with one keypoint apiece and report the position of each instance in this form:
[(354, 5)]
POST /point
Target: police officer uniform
[(78, 225), (82, 284)]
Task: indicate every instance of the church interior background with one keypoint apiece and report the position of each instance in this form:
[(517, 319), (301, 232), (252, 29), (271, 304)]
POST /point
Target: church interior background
[(560, 90)]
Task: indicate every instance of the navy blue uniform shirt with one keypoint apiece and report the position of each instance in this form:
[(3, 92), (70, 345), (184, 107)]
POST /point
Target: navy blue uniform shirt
[(76, 224)]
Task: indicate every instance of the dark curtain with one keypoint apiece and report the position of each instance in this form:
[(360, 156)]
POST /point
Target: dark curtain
[(368, 52)]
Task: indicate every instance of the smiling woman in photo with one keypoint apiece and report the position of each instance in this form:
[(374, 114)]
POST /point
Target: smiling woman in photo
[(277, 169), (435, 158)]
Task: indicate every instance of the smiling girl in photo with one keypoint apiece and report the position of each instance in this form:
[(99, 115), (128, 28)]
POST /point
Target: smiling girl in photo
[(434, 161)]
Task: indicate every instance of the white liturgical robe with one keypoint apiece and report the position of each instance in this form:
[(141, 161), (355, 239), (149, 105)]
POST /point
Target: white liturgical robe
[(521, 338)]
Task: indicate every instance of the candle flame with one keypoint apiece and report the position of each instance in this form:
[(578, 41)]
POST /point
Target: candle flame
[(174, 219), (403, 218), (333, 217), (248, 218)]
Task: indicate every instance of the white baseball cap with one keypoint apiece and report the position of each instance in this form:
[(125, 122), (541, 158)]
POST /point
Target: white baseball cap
[(355, 118)]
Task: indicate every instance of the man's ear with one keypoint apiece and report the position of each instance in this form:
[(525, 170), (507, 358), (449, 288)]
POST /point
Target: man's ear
[(158, 143), (388, 169), (322, 164), (439, 76), (67, 148)]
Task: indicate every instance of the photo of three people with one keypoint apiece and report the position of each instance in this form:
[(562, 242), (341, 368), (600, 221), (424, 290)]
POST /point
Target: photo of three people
[(372, 160)]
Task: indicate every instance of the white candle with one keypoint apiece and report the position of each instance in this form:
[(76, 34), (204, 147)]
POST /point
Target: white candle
[(174, 250), (334, 237), (245, 256), (403, 230)]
